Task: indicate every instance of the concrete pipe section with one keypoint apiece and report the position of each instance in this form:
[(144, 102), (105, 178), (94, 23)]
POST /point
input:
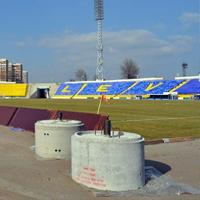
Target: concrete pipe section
[(114, 163), (53, 138)]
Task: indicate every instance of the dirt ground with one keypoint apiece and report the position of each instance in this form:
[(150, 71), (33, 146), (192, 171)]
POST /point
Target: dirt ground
[(25, 177)]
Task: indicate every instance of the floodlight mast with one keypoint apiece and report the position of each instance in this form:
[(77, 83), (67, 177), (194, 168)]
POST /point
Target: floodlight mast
[(99, 14), (184, 67)]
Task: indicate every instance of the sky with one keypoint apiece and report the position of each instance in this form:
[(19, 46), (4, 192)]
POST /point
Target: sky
[(55, 38)]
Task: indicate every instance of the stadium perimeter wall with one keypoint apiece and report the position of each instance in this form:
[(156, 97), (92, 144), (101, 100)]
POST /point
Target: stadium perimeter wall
[(26, 118), (32, 89), (13, 90), (18, 90)]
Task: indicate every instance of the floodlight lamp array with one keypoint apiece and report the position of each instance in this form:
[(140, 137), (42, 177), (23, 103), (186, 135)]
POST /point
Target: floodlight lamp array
[(99, 9)]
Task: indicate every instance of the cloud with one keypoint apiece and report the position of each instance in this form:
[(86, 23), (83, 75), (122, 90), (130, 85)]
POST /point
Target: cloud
[(71, 51), (79, 50), (137, 42), (20, 44), (67, 40), (190, 18), (160, 26), (28, 42)]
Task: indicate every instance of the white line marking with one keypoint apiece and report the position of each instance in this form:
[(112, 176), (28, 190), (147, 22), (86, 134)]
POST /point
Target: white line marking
[(153, 119)]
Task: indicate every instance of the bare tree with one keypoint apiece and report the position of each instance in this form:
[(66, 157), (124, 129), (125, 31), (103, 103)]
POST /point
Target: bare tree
[(129, 69), (81, 75)]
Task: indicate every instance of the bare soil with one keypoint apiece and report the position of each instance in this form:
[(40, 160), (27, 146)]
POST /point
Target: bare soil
[(23, 176)]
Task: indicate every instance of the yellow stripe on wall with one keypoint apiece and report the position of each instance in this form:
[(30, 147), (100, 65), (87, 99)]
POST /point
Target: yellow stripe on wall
[(13, 90)]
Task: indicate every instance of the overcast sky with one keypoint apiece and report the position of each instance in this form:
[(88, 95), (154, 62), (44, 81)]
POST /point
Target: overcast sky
[(54, 38)]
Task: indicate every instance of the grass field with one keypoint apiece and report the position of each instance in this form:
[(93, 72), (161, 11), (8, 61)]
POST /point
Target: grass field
[(152, 119)]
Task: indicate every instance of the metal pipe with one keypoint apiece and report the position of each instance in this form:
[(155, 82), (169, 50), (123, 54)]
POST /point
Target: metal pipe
[(107, 127), (60, 116)]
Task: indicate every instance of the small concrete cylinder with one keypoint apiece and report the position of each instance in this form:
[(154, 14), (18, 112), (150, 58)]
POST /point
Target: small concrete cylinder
[(53, 138), (108, 163)]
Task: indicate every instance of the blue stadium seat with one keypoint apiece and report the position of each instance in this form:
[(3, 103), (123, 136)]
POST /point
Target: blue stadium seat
[(128, 88), (153, 87), (107, 88), (68, 89), (191, 87)]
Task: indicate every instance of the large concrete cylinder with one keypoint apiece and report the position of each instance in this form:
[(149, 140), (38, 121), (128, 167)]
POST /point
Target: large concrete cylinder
[(53, 138), (108, 163)]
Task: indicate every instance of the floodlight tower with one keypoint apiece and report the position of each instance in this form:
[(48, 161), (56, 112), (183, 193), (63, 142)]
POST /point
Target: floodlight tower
[(99, 16), (184, 67)]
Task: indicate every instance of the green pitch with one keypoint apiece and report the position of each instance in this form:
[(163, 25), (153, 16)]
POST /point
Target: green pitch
[(152, 119)]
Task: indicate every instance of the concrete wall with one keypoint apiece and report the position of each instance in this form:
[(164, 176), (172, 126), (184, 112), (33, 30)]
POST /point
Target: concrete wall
[(32, 89)]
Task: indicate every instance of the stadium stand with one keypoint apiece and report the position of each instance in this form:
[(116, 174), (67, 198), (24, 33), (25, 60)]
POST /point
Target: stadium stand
[(114, 89), (13, 90), (108, 88), (92, 89), (153, 87), (191, 87), (68, 90)]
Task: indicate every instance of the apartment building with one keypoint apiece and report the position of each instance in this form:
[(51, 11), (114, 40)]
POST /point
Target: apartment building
[(12, 72)]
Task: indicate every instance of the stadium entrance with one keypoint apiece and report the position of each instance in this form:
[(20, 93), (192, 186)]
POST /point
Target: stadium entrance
[(43, 92), (197, 97), (165, 95)]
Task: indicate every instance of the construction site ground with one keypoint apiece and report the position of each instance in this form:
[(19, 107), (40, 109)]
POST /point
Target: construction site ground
[(24, 176)]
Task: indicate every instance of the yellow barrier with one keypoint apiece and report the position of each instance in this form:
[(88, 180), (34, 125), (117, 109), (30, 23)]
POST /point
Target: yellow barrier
[(185, 96), (13, 90)]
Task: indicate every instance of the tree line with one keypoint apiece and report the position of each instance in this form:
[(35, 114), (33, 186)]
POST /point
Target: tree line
[(129, 70)]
